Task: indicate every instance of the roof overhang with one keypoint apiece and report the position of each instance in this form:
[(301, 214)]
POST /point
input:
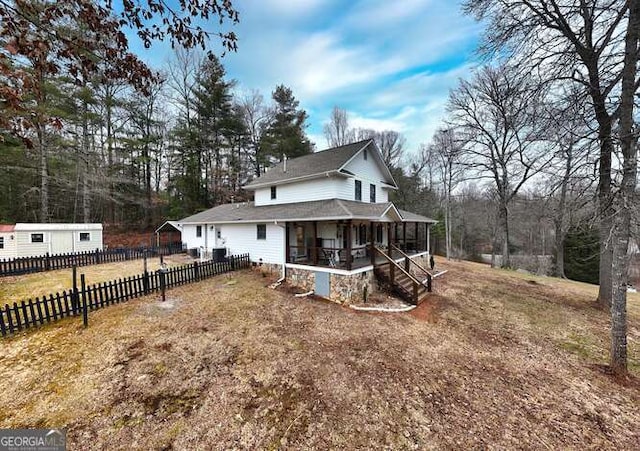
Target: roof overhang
[(169, 226), (253, 187), (36, 227), (381, 163)]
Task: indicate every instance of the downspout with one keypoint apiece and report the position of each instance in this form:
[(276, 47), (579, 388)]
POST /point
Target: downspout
[(284, 253)]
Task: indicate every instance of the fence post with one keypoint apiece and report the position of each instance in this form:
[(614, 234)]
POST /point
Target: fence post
[(145, 280), (74, 293), (196, 271), (97, 256), (85, 313), (163, 282), (429, 283), (47, 264)]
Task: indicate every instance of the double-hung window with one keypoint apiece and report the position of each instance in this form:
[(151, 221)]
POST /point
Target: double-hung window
[(358, 190), (262, 232)]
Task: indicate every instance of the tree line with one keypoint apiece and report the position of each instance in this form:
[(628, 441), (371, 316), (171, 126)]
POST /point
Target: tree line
[(552, 115)]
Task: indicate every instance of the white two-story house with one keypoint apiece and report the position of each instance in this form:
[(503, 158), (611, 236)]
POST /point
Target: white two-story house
[(326, 222)]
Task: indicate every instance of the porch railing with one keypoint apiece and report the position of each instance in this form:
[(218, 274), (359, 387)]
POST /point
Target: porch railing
[(409, 263)]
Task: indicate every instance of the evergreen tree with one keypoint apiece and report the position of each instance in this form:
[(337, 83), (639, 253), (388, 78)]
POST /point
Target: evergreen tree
[(286, 132)]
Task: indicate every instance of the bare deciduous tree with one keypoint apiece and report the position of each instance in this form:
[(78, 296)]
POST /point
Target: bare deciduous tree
[(578, 41), (449, 163), (337, 131), (495, 114)]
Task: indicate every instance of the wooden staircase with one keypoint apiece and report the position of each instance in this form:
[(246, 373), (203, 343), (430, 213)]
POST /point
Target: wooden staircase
[(399, 279)]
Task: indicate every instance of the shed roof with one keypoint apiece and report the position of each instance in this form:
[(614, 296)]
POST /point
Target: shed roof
[(5, 228), (169, 226), (36, 227)]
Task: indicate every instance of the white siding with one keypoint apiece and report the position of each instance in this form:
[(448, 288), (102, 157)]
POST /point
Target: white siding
[(25, 248), (335, 187), (243, 238), (305, 191), (346, 189), (207, 240), (95, 241), (9, 245), (367, 170)]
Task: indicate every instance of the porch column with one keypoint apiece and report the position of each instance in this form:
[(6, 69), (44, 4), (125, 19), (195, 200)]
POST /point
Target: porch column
[(372, 241), (395, 233), (415, 237), (404, 236), (428, 238), (349, 245), (314, 249), (287, 245), (390, 252)]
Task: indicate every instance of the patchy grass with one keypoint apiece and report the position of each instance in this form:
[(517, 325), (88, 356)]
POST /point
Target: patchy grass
[(20, 288), (493, 359)]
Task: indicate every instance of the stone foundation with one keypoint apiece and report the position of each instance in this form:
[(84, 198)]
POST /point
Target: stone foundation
[(343, 288), (351, 289), (301, 278), (269, 269)]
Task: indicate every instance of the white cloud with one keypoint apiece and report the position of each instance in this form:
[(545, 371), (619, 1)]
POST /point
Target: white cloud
[(390, 64)]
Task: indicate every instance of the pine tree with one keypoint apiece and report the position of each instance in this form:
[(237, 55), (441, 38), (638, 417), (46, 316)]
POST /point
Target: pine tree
[(286, 133)]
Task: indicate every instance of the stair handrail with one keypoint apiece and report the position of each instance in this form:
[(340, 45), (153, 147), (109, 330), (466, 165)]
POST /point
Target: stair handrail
[(396, 265), (411, 261)]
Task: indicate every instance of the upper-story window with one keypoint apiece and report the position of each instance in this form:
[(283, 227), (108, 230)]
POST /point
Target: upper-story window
[(1, 242), (364, 153), (198, 231), (372, 193), (37, 237), (358, 190), (85, 236), (273, 192)]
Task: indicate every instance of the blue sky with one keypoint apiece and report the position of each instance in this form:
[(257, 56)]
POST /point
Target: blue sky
[(388, 63)]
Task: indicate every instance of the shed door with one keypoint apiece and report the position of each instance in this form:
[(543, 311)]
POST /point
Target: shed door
[(322, 284), (61, 242)]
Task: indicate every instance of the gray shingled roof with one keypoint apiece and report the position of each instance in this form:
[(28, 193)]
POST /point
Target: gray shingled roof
[(299, 211), (320, 209), (407, 216), (330, 160)]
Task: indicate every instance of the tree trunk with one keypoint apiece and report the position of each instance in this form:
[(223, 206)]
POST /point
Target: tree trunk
[(605, 211), (85, 162), (625, 198), (44, 177), (559, 248), (560, 215), (504, 223)]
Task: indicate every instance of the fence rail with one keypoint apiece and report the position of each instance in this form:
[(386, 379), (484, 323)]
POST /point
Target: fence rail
[(79, 300), (27, 265)]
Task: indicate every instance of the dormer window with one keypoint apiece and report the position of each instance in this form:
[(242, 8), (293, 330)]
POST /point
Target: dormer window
[(372, 193), (273, 192), (358, 190)]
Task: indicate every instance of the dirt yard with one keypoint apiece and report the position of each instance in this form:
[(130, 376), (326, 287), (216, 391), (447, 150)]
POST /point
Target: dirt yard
[(494, 359), (21, 288)]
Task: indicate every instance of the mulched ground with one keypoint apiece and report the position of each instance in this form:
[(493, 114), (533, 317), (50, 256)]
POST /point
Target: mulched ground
[(488, 361)]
